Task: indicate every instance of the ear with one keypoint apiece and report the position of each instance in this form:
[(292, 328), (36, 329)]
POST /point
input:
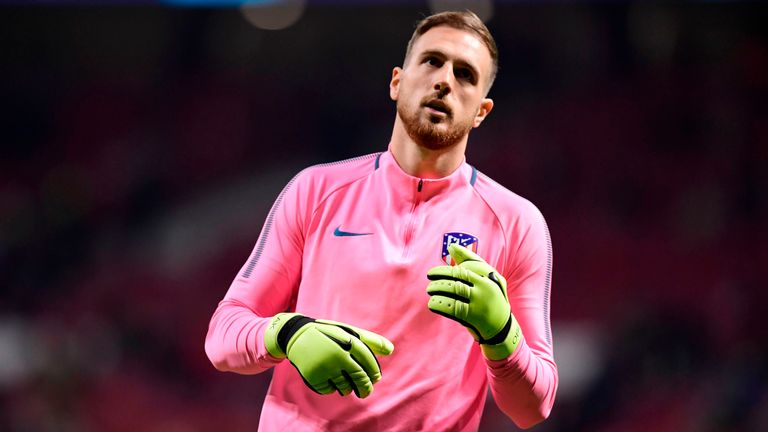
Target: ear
[(394, 84), (486, 106)]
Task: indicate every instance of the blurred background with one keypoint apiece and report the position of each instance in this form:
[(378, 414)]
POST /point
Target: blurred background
[(141, 146)]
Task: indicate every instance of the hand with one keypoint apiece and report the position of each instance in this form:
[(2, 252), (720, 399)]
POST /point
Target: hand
[(474, 294), (330, 356)]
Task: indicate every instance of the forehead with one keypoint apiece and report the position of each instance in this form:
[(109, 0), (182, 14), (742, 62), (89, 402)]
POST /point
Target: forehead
[(455, 43)]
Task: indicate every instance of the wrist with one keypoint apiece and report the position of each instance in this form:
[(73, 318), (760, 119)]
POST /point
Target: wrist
[(503, 345)]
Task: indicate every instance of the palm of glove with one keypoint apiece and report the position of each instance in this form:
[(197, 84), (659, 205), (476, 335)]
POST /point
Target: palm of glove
[(472, 293)]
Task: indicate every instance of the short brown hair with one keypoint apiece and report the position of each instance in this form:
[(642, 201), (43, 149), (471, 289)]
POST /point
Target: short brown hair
[(466, 21)]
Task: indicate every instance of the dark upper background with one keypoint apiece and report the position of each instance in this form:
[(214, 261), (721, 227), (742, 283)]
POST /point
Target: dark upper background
[(142, 147)]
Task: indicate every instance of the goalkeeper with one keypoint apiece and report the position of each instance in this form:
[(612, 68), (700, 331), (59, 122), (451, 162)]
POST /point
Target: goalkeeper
[(389, 290)]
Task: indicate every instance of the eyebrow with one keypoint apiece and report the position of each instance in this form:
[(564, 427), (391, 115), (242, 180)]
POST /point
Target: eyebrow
[(460, 62)]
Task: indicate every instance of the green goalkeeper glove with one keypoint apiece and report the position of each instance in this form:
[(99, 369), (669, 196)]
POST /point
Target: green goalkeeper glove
[(330, 356), (474, 294)]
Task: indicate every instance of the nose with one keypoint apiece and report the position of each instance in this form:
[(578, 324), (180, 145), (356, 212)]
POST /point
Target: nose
[(443, 84), (443, 88)]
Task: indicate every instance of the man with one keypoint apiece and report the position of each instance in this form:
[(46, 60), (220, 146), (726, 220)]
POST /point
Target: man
[(388, 247)]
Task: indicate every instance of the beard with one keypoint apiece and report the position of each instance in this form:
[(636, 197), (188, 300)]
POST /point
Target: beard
[(426, 131)]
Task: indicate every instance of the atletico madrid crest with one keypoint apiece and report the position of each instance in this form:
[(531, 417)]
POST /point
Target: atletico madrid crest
[(463, 239)]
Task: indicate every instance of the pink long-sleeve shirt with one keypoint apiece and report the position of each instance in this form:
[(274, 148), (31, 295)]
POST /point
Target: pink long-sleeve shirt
[(306, 260)]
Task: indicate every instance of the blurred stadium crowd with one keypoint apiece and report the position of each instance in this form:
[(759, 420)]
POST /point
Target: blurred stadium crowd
[(142, 148)]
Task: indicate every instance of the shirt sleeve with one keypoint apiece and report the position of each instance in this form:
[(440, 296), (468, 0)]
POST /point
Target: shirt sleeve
[(266, 285), (524, 384)]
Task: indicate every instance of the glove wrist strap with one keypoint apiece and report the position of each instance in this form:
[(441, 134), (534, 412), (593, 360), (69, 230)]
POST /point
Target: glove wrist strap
[(280, 330), (506, 341), (289, 329), (501, 335)]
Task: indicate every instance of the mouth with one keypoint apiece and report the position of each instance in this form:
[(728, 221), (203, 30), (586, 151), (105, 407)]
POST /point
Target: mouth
[(438, 106)]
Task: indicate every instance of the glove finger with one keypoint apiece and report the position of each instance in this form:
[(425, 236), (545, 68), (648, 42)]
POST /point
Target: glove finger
[(461, 254), (447, 272), (483, 277), (469, 260), (455, 273), (329, 377), (449, 288), (376, 342), (321, 387), (359, 358), (360, 382), (364, 358), (454, 310), (449, 307), (341, 384), (481, 268)]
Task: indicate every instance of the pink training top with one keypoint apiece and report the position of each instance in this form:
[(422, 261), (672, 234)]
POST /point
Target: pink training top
[(352, 241)]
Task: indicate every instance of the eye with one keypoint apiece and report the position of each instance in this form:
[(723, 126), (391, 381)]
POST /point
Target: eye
[(464, 74), (433, 61)]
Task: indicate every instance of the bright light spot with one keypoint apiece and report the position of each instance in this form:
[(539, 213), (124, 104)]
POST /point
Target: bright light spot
[(19, 351), (481, 8), (579, 358), (273, 15)]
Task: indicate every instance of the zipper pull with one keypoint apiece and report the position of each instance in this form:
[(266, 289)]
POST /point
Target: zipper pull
[(421, 183)]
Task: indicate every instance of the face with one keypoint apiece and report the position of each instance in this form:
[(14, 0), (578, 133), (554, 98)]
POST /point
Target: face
[(440, 91)]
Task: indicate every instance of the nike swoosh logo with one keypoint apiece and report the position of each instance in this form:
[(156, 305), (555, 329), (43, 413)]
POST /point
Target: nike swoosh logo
[(345, 345), (339, 233)]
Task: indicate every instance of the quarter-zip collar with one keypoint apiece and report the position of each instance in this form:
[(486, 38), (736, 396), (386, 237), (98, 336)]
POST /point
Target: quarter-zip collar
[(408, 186)]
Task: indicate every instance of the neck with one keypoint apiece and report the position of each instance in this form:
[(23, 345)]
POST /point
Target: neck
[(419, 161)]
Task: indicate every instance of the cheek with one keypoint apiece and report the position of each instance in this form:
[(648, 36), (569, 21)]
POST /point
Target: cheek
[(406, 93), (471, 106)]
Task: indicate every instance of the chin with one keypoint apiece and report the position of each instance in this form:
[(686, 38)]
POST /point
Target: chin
[(436, 140), (432, 132)]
